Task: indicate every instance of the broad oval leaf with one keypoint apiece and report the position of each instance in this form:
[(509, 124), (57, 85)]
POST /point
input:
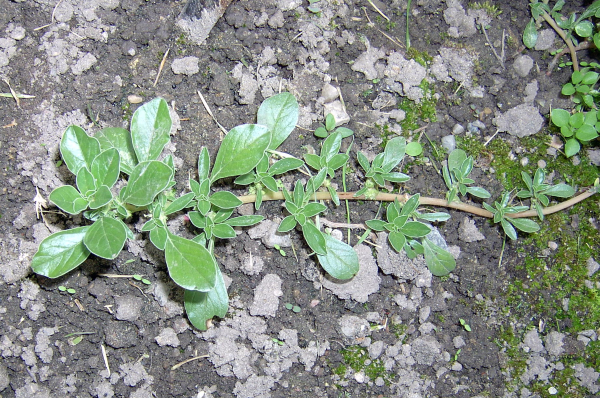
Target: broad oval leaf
[(584, 29), (559, 191), (106, 237), (411, 205), (285, 165), (314, 238), (509, 230), (338, 161), (180, 203), (68, 199), (313, 161), (150, 129), (414, 148), (434, 217), (279, 114), (572, 147), (524, 224), (241, 150), (78, 149), (530, 34), (60, 253), (479, 192), (395, 177), (203, 164), (586, 133), (197, 219), (456, 159), (331, 146), (568, 89), (190, 264), (376, 225), (105, 167), (393, 153), (86, 183), (147, 180), (438, 260), (120, 139), (202, 306), (158, 237), (313, 208), (415, 229), (341, 261), (225, 200), (100, 198), (397, 240), (223, 231), (287, 224)]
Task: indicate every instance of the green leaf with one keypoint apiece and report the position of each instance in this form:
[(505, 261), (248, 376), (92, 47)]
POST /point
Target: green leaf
[(560, 117), (203, 164), (456, 158), (530, 34), (524, 224), (270, 184), (68, 199), (478, 192), (393, 153), (584, 29), (363, 161), (86, 183), (287, 224), (376, 225), (279, 114), (241, 150), (315, 182), (148, 179), (202, 306), (78, 149), (560, 191), (60, 253), (244, 221), (572, 147), (345, 132), (222, 215), (411, 205), (338, 161), (150, 129), (334, 196), (225, 200), (329, 122), (568, 89), (321, 132), (285, 165), (158, 237), (105, 167), (331, 146), (190, 264), (298, 194), (586, 133), (397, 240), (100, 198), (341, 261), (576, 120), (106, 237), (314, 208), (438, 260), (313, 161), (180, 203), (245, 179), (393, 210), (395, 177), (197, 219), (435, 217), (415, 229), (314, 238), (414, 148), (119, 139), (590, 78), (509, 230), (223, 231)]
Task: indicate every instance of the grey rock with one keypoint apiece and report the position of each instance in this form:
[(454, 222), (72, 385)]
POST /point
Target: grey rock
[(459, 342), (365, 282), (384, 100), (449, 143), (288, 5), (376, 349), (523, 65), (277, 20), (42, 346), (521, 121), (33, 390), (254, 387), (329, 93), (4, 379), (537, 368), (266, 296), (468, 232), (267, 231), (336, 108), (545, 39), (365, 63), (134, 373), (533, 341), (425, 350), (456, 367), (128, 308), (587, 377), (397, 114), (424, 313), (84, 63), (167, 336), (458, 129), (426, 328), (461, 24), (594, 156), (407, 72), (592, 266), (185, 66), (353, 327), (531, 90)]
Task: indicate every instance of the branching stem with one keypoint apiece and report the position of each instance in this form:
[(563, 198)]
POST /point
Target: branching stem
[(402, 198), (563, 36)]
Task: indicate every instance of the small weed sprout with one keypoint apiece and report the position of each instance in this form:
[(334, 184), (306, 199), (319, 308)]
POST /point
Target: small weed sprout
[(465, 325), (65, 289), (280, 250)]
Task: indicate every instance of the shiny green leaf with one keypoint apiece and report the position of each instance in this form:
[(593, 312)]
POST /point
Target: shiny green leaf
[(147, 180), (105, 167), (225, 200), (279, 114), (100, 198), (150, 129), (78, 149), (60, 253), (341, 261), (120, 139), (106, 237), (202, 306), (314, 238), (68, 199), (190, 264), (438, 260)]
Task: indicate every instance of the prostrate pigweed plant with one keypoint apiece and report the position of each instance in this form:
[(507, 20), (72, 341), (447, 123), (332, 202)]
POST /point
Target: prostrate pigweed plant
[(120, 172)]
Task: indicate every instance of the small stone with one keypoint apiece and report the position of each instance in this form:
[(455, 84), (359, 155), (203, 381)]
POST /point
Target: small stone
[(552, 391), (337, 110), (552, 245), (449, 143), (468, 231), (424, 314), (592, 266), (459, 342), (329, 93), (523, 65), (458, 129), (185, 66), (359, 377), (128, 308), (524, 162), (545, 39), (167, 337), (541, 164), (457, 367), (134, 99)]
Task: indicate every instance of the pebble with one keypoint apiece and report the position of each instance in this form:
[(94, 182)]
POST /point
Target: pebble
[(457, 367), (134, 99), (552, 391), (541, 164), (524, 162), (329, 93), (449, 142), (458, 129), (552, 245)]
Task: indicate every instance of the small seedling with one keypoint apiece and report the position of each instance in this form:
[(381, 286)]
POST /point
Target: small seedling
[(65, 289), (455, 358), (329, 128), (464, 325), (292, 307), (414, 148), (277, 341), (143, 280), (280, 250)]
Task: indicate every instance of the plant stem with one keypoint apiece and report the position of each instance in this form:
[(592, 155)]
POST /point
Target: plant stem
[(563, 35), (423, 200), (407, 22)]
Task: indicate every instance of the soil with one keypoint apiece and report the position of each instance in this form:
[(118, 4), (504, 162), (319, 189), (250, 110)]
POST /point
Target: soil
[(424, 336)]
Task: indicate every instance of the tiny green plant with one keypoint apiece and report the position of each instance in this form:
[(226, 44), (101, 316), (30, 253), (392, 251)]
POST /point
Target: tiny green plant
[(502, 209), (330, 128), (314, 8), (465, 325), (456, 176), (293, 308), (65, 289), (280, 250), (538, 192), (142, 279)]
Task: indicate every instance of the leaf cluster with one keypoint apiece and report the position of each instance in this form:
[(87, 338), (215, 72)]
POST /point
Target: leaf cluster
[(456, 176), (538, 191)]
